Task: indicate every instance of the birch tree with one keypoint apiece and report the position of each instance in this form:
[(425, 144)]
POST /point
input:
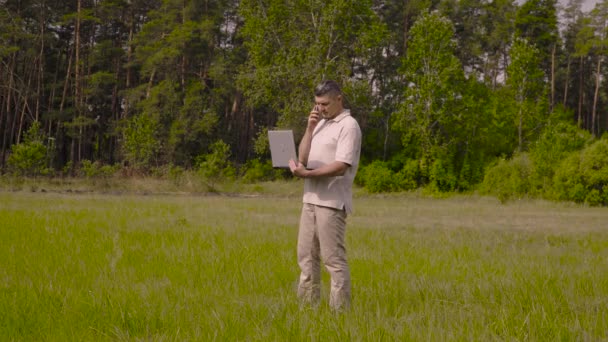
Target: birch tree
[(435, 75), (525, 82)]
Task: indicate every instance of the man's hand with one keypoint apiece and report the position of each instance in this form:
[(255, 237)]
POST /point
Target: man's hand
[(297, 169), (313, 118)]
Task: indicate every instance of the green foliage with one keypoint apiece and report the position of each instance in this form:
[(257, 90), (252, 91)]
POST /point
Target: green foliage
[(140, 142), (379, 177), (432, 102), (188, 63), (442, 176), (537, 22), (256, 170), (409, 175), (29, 158), (553, 145), (525, 81), (434, 74), (191, 128), (96, 169), (294, 44), (215, 166), (551, 169), (440, 88), (509, 178), (261, 146), (583, 175)]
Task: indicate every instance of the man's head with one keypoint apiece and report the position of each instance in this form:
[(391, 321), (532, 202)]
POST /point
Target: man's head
[(328, 98)]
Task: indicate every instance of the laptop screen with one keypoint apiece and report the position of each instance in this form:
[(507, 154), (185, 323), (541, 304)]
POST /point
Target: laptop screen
[(282, 148)]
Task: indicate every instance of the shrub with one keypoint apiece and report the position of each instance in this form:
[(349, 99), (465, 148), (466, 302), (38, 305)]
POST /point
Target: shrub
[(140, 143), (583, 176), (29, 158), (256, 170), (97, 169), (379, 177), (442, 177), (554, 144), (508, 178), (215, 166), (409, 175)]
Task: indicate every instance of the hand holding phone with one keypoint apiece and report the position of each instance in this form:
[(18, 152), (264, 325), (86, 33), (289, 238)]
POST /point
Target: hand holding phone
[(313, 117)]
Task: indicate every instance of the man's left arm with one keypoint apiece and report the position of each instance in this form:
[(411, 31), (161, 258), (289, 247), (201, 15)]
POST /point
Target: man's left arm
[(336, 168), (349, 145)]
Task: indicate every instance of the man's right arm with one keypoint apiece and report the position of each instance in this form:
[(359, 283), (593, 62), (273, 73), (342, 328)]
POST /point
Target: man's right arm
[(304, 148)]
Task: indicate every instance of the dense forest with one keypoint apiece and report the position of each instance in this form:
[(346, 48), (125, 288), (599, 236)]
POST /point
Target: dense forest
[(450, 94)]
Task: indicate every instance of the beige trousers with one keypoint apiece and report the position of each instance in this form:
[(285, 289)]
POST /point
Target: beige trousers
[(321, 237)]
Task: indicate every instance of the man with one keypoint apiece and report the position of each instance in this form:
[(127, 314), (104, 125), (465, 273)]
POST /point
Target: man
[(328, 161)]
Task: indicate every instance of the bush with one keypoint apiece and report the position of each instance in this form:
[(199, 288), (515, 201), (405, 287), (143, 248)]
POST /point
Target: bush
[(255, 171), (554, 144), (97, 169), (583, 176), (508, 178), (140, 143), (215, 166), (442, 177), (29, 158), (409, 175), (379, 177)]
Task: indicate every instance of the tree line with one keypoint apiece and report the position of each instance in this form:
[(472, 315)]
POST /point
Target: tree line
[(443, 89)]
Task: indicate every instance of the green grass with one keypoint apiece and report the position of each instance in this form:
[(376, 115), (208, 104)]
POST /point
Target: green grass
[(204, 268)]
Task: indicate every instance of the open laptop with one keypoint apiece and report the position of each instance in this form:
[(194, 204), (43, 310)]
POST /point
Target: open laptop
[(282, 148)]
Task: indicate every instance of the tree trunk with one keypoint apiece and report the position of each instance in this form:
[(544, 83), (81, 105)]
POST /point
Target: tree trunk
[(520, 130), (505, 58), (596, 95), (2, 111), (387, 129), (125, 101), (7, 109), (66, 82), (77, 76), (580, 93), (552, 102), (40, 79), (24, 108), (183, 61), (150, 83), (52, 94), (567, 81), (406, 23)]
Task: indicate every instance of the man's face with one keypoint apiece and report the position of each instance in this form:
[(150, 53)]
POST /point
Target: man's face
[(329, 106)]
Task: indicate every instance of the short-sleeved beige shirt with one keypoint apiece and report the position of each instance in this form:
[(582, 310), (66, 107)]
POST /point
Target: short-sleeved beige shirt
[(338, 139)]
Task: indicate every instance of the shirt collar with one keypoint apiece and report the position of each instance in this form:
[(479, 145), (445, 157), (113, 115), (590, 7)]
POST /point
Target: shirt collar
[(339, 117)]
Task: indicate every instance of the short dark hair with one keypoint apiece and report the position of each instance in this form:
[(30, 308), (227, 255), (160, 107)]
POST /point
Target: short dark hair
[(328, 87)]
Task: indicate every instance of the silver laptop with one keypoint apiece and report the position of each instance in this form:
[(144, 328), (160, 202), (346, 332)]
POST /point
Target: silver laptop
[(282, 148)]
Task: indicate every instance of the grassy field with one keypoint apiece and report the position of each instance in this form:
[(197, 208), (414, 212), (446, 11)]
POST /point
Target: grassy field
[(217, 268)]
